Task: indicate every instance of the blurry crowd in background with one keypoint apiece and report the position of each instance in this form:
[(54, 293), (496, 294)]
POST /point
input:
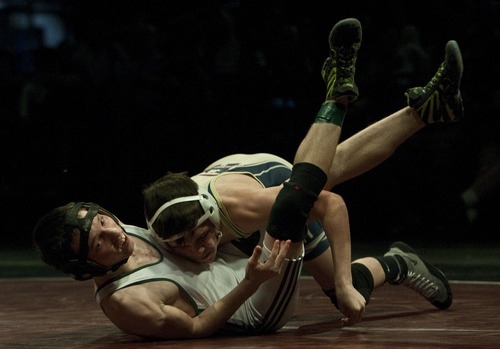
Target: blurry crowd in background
[(99, 98)]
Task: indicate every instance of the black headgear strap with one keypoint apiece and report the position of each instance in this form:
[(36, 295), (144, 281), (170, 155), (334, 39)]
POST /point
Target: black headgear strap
[(83, 269), (83, 224)]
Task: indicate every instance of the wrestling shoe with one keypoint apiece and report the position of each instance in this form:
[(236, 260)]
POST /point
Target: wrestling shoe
[(440, 100), (422, 276), (339, 68)]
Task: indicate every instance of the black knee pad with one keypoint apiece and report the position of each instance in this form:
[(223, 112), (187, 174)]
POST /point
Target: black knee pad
[(289, 214), (294, 202)]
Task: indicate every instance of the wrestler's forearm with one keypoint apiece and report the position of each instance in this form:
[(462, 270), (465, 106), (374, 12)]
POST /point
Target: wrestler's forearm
[(338, 223), (334, 218), (214, 317)]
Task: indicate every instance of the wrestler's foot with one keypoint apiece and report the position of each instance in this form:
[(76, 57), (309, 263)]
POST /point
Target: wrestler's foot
[(339, 68), (422, 276), (440, 100)]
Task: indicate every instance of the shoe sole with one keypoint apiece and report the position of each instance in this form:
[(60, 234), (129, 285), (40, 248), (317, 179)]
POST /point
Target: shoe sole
[(454, 62), (433, 270), (345, 32)]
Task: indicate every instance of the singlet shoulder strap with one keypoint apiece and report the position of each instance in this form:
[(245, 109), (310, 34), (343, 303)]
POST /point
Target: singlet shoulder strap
[(146, 273)]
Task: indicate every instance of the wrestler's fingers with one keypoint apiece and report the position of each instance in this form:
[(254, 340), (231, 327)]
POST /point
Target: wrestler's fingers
[(353, 319), (275, 249), (283, 246), (254, 258)]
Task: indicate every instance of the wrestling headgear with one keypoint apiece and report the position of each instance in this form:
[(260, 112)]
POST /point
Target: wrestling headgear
[(81, 268), (208, 204)]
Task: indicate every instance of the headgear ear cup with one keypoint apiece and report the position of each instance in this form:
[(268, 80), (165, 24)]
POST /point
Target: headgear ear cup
[(83, 271), (209, 204)]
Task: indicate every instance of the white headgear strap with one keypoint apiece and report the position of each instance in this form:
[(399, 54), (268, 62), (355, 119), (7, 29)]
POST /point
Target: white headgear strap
[(208, 204)]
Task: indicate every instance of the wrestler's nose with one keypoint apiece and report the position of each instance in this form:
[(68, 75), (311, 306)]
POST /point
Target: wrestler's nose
[(201, 250), (112, 232)]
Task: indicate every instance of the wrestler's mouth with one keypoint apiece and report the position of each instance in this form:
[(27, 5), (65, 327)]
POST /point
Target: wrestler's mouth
[(122, 241), (207, 257)]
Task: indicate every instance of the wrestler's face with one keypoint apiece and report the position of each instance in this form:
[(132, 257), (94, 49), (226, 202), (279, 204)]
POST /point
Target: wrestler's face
[(108, 243), (200, 245)]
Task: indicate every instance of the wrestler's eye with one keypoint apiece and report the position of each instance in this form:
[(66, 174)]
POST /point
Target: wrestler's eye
[(204, 236), (180, 242)]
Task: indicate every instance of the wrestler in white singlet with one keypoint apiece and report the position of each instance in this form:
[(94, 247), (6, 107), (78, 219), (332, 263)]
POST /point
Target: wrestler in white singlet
[(267, 310)]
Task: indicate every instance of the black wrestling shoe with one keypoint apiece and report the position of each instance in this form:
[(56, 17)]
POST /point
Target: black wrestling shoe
[(339, 68), (422, 276), (440, 100)]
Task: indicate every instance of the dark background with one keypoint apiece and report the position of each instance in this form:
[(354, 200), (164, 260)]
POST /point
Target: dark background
[(99, 98)]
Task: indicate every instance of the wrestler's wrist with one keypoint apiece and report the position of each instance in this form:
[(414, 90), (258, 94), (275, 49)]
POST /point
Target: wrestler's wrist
[(343, 281), (249, 285)]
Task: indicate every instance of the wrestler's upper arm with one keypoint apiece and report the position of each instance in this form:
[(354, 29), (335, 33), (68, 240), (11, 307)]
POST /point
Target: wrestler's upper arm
[(246, 201), (249, 208), (141, 310)]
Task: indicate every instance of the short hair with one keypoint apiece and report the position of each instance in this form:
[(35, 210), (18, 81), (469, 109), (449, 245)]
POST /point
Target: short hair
[(176, 218), (51, 239)]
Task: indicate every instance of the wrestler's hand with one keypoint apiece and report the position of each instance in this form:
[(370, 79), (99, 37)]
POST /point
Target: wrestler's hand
[(351, 303), (258, 272)]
